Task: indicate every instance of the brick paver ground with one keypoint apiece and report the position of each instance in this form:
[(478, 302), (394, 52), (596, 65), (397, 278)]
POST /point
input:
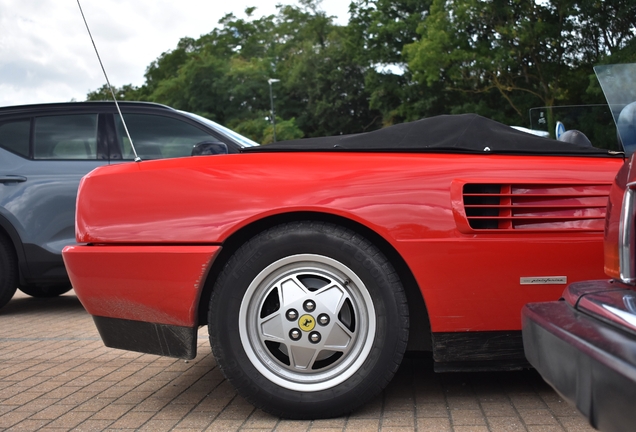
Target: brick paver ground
[(55, 374)]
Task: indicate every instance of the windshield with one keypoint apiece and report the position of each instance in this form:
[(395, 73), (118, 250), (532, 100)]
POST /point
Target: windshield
[(238, 138), (594, 121), (608, 126), (618, 84)]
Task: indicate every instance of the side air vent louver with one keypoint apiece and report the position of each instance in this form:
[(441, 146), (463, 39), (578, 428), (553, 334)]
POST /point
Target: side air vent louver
[(569, 207)]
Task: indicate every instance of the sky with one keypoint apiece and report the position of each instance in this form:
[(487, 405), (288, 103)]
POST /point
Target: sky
[(46, 54)]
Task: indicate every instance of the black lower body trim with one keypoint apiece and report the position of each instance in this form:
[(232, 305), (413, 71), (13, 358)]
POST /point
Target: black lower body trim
[(149, 338), (478, 351)]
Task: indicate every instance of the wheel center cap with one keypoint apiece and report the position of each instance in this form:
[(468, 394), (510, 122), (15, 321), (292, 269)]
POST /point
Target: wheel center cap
[(306, 323)]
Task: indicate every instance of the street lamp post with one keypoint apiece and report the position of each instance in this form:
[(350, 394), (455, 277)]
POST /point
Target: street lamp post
[(271, 100)]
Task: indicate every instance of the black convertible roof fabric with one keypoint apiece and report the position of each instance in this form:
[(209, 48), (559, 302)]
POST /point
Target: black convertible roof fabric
[(464, 133)]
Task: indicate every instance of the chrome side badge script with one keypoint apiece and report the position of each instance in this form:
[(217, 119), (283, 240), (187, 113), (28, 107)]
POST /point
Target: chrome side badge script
[(544, 280)]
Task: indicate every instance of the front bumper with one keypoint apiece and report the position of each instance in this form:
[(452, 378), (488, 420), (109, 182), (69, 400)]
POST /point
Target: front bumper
[(590, 363)]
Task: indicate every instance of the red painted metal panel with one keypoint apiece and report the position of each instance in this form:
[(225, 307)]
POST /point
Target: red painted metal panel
[(157, 284), (475, 285), (470, 280)]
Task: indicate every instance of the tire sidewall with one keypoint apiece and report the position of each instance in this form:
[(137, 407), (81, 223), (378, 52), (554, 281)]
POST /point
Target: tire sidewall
[(8, 271), (46, 291), (319, 239)]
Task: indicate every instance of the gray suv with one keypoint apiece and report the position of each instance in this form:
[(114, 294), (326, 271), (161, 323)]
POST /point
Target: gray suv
[(44, 152)]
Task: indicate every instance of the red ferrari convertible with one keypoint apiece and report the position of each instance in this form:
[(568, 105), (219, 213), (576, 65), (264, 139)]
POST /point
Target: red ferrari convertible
[(317, 263)]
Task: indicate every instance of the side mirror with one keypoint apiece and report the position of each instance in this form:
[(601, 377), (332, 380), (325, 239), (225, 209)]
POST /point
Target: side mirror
[(209, 148)]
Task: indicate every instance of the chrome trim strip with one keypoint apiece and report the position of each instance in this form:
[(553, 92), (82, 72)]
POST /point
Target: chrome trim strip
[(614, 307), (626, 238), (626, 318)]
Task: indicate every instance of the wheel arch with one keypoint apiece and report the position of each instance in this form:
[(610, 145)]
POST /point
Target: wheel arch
[(7, 229), (420, 330)]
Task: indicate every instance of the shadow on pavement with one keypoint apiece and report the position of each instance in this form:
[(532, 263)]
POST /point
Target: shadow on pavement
[(24, 304)]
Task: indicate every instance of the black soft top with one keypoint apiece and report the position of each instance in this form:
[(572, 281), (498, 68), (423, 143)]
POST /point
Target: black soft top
[(464, 133)]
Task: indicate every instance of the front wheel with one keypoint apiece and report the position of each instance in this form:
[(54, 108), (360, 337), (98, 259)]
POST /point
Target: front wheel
[(308, 320)]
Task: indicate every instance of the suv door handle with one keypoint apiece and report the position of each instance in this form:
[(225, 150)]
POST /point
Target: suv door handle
[(12, 179)]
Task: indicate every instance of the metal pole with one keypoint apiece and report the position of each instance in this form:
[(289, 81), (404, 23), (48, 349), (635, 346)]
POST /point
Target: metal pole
[(271, 100)]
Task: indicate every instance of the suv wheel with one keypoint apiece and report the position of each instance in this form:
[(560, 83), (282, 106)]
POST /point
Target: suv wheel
[(8, 270), (45, 291)]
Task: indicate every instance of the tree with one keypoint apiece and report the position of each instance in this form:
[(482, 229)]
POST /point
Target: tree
[(223, 74), (167, 65), (126, 92), (606, 27), (327, 87), (379, 30), (509, 55), (261, 129), (396, 60)]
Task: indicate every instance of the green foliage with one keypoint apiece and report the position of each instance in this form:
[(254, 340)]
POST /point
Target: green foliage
[(395, 61), (261, 129), (329, 85), (285, 130), (126, 92), (379, 30), (530, 53)]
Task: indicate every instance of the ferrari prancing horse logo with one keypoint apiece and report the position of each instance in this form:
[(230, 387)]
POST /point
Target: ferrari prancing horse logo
[(306, 323)]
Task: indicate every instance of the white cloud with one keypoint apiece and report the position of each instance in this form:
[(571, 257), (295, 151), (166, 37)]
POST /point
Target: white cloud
[(46, 54)]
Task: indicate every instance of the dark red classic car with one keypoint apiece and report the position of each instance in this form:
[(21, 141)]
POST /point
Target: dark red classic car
[(584, 345), (317, 263)]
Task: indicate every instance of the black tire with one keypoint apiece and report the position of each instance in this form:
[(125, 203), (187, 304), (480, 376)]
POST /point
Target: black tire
[(358, 322), (45, 291), (8, 270)]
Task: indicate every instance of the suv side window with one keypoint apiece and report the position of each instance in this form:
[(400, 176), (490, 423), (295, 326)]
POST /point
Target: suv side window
[(158, 137), (66, 137), (14, 136)]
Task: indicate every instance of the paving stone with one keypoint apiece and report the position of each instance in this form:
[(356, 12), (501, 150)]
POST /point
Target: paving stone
[(260, 420), (132, 420), (293, 426), (537, 416), (576, 424), (396, 421), (30, 425), (69, 420), (505, 424), (36, 405), (498, 409), (433, 425), (464, 417), (159, 425), (111, 412), (56, 375), (545, 428), (12, 418), (337, 423), (52, 412), (470, 429)]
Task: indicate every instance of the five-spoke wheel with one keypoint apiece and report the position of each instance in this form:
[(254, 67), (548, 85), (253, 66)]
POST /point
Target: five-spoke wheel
[(308, 320)]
